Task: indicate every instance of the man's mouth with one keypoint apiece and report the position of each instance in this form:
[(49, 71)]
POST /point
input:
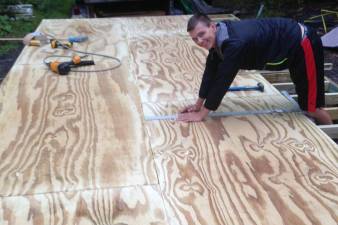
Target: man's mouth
[(205, 43)]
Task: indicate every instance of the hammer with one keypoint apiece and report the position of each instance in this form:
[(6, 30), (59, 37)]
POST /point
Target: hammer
[(258, 87)]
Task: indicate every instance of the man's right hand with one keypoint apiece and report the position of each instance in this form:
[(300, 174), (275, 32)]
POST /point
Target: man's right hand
[(193, 108), (190, 108)]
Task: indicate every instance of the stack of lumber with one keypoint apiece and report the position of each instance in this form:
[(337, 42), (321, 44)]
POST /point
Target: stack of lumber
[(76, 149)]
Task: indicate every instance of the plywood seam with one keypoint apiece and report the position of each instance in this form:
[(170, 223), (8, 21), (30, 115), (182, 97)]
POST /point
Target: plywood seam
[(134, 79), (82, 190)]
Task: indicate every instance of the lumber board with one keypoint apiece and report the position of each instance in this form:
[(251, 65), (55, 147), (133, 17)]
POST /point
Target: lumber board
[(333, 111), (128, 205), (75, 149), (333, 85), (158, 66), (331, 99), (63, 133), (330, 130), (276, 76), (229, 104), (105, 36), (163, 73), (221, 17), (284, 75), (271, 169), (11, 39), (157, 26), (235, 170), (290, 87), (164, 25)]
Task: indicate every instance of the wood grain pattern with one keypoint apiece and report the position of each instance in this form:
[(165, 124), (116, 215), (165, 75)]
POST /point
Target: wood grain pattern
[(161, 69), (302, 165), (61, 133), (229, 104), (105, 36), (164, 25), (156, 25), (271, 169), (267, 169), (118, 206), (75, 149), (171, 67), (240, 101)]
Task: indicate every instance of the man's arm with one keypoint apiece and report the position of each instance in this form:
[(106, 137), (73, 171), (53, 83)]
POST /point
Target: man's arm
[(208, 74), (215, 95), (226, 72), (225, 76), (210, 71)]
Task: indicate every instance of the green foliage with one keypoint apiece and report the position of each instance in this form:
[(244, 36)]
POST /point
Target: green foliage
[(10, 2), (42, 9), (7, 46), (5, 26), (52, 8)]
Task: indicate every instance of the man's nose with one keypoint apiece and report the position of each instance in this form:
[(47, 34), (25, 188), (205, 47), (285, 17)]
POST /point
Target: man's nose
[(199, 40)]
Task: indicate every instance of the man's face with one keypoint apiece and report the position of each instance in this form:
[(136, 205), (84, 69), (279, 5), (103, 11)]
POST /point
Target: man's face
[(203, 35)]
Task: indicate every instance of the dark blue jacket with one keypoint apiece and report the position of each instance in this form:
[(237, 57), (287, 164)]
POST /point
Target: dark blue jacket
[(250, 44)]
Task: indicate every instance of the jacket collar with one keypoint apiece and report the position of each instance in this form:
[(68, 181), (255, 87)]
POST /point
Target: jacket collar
[(221, 35)]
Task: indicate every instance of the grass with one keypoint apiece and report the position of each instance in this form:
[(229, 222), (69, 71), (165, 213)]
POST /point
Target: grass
[(42, 9)]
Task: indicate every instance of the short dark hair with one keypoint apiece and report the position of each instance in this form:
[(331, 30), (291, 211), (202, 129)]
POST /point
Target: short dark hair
[(199, 17)]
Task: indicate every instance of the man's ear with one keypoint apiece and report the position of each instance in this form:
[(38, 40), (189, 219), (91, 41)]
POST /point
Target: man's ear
[(213, 26)]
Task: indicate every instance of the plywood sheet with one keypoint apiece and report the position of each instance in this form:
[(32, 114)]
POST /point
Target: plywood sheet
[(161, 69), (269, 169), (61, 133), (294, 161), (60, 137), (235, 105), (171, 67), (156, 25), (164, 25), (105, 36), (129, 205)]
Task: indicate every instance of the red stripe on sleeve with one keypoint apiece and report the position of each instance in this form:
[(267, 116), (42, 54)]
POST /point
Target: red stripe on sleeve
[(311, 73)]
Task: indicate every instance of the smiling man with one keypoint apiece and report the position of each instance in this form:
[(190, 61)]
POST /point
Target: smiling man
[(272, 44)]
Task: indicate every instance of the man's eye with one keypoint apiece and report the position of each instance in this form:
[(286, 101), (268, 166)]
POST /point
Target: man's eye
[(201, 34)]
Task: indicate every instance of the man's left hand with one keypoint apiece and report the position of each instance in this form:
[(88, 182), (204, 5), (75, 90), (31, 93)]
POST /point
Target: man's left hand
[(193, 116), (190, 117)]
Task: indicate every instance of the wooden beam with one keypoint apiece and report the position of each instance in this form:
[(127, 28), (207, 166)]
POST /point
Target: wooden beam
[(276, 76), (333, 111), (290, 87), (221, 17), (330, 98), (284, 75), (333, 85), (332, 88), (11, 39), (330, 130), (328, 66)]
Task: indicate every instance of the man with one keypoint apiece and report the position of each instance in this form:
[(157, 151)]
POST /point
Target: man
[(272, 44)]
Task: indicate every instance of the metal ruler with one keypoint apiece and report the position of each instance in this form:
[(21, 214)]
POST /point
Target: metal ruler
[(295, 108)]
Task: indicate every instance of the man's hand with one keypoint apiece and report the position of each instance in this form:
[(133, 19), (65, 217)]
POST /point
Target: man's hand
[(190, 117), (193, 116), (190, 108), (193, 108)]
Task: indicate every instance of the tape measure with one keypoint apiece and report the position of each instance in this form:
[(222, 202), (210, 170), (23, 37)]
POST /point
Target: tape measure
[(294, 108)]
